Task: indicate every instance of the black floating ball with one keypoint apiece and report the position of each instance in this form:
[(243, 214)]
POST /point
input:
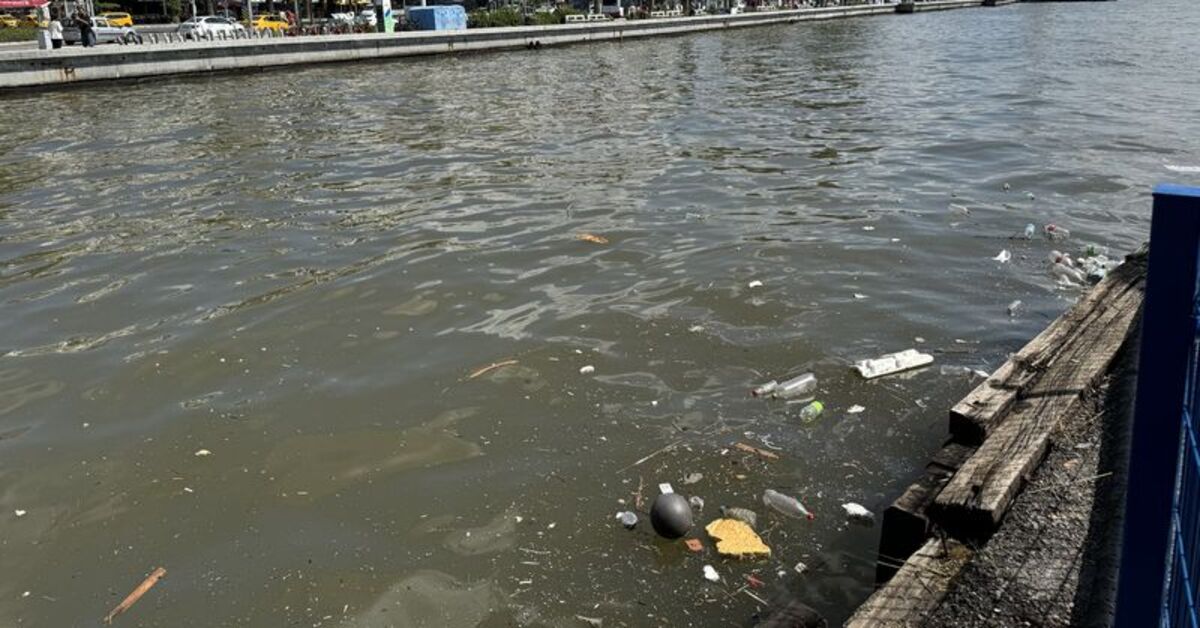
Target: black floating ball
[(671, 515)]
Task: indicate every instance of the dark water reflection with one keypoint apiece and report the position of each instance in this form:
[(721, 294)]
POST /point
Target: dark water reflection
[(298, 272)]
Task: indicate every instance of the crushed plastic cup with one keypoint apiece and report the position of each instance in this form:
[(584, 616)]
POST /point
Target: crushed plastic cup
[(1014, 307), (1095, 267), (628, 519), (1003, 256), (745, 515), (711, 574), (1030, 229)]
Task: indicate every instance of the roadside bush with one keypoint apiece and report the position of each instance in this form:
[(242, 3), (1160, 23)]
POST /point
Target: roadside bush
[(543, 18), (500, 17), (20, 33)]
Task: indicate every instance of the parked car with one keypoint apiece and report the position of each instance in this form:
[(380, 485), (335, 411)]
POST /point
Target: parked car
[(201, 26), (341, 18), (270, 22), (116, 18), (105, 32), (366, 18), (8, 21)]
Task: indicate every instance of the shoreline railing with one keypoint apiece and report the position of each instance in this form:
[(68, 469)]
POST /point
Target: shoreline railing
[(1160, 555)]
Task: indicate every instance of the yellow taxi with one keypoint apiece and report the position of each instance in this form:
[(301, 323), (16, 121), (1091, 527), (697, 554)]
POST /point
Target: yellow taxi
[(8, 21), (271, 22), (31, 19), (116, 18)]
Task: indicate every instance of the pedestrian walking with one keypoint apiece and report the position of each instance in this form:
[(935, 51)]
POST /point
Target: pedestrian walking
[(56, 33), (87, 35)]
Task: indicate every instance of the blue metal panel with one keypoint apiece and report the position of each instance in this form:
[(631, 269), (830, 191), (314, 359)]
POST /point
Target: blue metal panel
[(1160, 557), (438, 17)]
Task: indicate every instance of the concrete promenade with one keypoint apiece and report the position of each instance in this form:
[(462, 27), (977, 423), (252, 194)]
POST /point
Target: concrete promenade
[(42, 68)]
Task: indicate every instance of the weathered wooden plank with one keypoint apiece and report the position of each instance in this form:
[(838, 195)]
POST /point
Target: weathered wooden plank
[(974, 501), (906, 524), (982, 410), (917, 588)]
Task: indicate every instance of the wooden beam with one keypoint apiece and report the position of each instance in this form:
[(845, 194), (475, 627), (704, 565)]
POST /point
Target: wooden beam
[(906, 525), (981, 411), (974, 501), (917, 589)]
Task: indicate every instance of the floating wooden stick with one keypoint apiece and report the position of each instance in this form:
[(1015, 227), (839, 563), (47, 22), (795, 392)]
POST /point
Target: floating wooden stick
[(649, 456), (136, 595), (489, 368), (755, 450)]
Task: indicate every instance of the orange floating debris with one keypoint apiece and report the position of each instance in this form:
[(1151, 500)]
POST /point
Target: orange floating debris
[(593, 238), (769, 455), (136, 595), (695, 545)]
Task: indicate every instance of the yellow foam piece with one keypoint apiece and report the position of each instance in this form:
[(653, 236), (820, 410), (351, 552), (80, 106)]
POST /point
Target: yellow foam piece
[(735, 539)]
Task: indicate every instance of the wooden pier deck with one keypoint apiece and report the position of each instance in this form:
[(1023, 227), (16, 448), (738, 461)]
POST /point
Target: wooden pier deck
[(1000, 433)]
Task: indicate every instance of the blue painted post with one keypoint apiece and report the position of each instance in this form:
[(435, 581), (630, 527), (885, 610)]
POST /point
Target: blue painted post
[(1164, 374)]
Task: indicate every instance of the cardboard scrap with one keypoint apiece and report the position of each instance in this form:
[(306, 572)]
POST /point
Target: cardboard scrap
[(735, 539)]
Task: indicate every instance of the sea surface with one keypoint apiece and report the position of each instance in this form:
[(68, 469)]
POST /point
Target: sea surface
[(246, 320)]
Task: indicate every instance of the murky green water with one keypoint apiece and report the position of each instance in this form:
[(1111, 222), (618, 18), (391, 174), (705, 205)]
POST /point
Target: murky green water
[(299, 271)]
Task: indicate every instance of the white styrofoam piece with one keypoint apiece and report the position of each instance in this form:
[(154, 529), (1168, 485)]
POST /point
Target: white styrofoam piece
[(892, 363)]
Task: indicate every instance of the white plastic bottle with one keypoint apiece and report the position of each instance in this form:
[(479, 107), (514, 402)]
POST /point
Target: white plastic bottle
[(786, 505), (797, 386)]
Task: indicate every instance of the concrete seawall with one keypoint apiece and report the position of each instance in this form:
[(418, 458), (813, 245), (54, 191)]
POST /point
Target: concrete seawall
[(38, 68), (936, 5)]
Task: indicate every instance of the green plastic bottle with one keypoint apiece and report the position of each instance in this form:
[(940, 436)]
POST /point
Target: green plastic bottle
[(812, 411)]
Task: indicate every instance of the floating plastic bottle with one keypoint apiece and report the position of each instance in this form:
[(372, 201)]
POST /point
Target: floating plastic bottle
[(785, 505), (797, 386), (1029, 231), (1055, 232), (764, 389), (1068, 274), (812, 411), (1014, 307)]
